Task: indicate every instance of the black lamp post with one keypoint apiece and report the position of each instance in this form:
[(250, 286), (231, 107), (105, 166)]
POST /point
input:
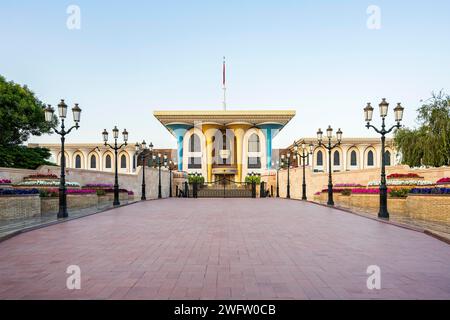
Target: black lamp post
[(171, 166), (278, 185), (159, 161), (49, 117), (329, 147), (303, 156), (398, 112), (115, 147), (286, 161), (142, 150)]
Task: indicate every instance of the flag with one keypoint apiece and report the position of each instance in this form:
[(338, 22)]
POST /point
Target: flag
[(223, 72)]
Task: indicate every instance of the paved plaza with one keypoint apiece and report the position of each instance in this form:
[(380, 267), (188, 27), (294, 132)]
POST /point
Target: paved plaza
[(224, 249)]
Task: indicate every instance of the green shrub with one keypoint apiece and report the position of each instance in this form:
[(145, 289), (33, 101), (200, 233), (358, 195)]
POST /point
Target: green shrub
[(193, 178), (399, 193), (256, 179), (101, 192), (346, 192)]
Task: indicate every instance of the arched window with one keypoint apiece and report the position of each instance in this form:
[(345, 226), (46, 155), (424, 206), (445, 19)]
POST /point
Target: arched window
[(254, 162), (353, 160), (194, 143), (370, 158), (108, 162), (78, 161), (123, 162), (336, 159), (134, 161), (387, 158), (319, 159), (253, 143), (93, 162), (194, 162)]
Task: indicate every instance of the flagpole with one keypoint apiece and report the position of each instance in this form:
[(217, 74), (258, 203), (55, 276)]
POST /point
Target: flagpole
[(224, 87)]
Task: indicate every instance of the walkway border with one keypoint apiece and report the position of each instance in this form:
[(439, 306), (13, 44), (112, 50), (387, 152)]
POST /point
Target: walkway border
[(51, 223), (397, 224)]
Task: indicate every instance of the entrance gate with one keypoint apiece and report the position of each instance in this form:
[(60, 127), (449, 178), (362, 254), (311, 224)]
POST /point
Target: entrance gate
[(223, 188)]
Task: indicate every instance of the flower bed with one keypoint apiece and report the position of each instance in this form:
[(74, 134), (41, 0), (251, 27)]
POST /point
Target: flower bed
[(402, 183), (45, 184), (367, 191), (443, 191), (5, 184), (55, 192), (98, 186), (348, 185), (19, 192), (41, 176), (400, 176), (334, 190), (443, 182)]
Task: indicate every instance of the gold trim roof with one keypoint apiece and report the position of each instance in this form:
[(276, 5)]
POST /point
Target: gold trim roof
[(252, 117)]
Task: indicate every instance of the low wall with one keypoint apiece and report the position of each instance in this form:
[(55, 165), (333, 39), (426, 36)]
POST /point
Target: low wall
[(129, 181), (429, 207), (74, 202), (316, 181), (17, 207)]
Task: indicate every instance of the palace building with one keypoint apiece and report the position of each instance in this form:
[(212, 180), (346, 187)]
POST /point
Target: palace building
[(226, 142)]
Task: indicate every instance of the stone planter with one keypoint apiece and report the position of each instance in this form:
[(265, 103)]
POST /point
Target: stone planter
[(365, 202), (429, 207), (397, 206), (123, 196), (74, 202), (19, 206), (341, 200)]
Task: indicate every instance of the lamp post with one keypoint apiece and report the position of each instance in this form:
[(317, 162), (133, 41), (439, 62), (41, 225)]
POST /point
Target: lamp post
[(171, 166), (49, 117), (303, 156), (329, 146), (142, 150), (115, 147), (286, 161), (398, 112), (159, 161), (278, 185)]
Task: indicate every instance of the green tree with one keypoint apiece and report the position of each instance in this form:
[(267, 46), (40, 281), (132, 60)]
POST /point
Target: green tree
[(23, 157), (21, 114), (429, 144)]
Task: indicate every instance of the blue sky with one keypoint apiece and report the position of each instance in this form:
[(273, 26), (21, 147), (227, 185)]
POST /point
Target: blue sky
[(317, 57)]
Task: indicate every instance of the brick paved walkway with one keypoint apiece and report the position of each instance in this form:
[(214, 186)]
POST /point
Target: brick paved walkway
[(224, 248)]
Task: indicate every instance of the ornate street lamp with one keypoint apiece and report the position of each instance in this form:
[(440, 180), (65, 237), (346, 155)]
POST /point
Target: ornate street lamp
[(398, 113), (115, 147), (171, 165), (142, 151), (278, 170), (329, 146), (158, 162), (50, 117), (303, 156), (286, 161)]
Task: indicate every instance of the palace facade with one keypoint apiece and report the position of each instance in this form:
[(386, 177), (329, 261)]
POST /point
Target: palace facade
[(228, 143), (224, 143)]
